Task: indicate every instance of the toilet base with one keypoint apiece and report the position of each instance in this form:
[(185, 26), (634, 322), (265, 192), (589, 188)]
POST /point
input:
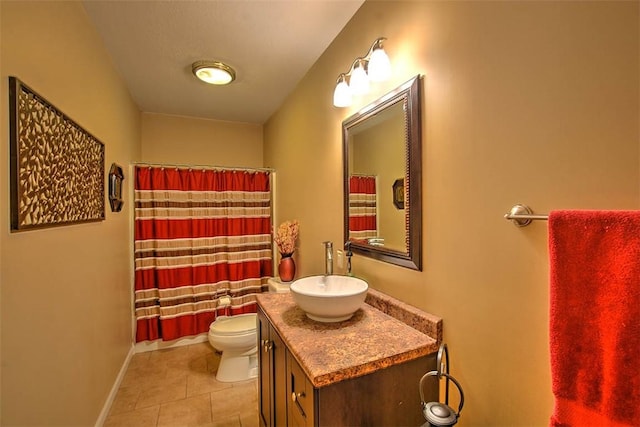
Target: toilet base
[(235, 368)]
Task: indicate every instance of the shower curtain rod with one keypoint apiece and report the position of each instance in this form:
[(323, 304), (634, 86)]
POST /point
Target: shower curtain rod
[(207, 167)]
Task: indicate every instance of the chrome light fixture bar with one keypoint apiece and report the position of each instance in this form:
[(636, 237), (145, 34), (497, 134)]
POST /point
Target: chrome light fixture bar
[(374, 66), (213, 72)]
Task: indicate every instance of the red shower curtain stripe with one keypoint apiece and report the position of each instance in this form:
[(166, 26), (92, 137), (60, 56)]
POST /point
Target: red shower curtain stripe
[(178, 327), (147, 329), (198, 275), (362, 207), (183, 326), (227, 209), (148, 229), (362, 223), (362, 184), (188, 179)]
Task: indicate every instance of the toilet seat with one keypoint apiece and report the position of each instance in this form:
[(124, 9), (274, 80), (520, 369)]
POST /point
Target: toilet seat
[(234, 325)]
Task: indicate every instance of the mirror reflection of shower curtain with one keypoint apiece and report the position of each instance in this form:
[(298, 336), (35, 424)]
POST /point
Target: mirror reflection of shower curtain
[(199, 235), (363, 202)]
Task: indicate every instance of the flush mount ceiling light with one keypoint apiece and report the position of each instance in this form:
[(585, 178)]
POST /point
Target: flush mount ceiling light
[(375, 67), (213, 72)]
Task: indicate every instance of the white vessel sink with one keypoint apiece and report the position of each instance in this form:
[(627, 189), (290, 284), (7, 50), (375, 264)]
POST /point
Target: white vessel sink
[(329, 298)]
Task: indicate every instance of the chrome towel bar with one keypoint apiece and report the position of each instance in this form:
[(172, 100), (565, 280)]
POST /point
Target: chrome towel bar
[(522, 215)]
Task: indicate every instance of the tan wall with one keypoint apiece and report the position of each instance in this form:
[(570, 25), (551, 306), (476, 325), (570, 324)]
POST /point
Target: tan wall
[(524, 102), (384, 157), (66, 298), (186, 140)]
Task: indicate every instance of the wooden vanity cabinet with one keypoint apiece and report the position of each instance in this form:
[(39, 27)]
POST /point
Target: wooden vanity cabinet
[(386, 397)]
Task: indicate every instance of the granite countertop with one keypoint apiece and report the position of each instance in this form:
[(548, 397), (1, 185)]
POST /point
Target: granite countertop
[(369, 341)]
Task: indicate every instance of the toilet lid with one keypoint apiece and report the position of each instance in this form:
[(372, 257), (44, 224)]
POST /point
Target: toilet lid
[(234, 325)]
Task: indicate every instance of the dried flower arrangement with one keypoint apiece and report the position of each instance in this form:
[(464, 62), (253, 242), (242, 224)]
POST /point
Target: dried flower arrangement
[(286, 236)]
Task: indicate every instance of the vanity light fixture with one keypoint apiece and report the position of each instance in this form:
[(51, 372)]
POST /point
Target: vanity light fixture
[(379, 64), (342, 94), (213, 72), (375, 66), (359, 81)]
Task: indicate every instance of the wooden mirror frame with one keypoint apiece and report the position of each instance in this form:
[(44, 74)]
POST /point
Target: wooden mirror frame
[(410, 94)]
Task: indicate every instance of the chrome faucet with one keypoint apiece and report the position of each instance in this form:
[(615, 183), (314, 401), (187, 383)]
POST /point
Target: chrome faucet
[(328, 258)]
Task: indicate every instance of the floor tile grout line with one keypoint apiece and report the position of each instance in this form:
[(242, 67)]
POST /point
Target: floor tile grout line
[(188, 357)]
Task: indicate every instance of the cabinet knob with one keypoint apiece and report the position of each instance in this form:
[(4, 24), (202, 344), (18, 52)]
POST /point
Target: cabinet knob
[(267, 345), (295, 396)]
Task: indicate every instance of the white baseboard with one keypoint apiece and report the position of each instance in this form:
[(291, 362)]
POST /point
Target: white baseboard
[(145, 346), (114, 390)]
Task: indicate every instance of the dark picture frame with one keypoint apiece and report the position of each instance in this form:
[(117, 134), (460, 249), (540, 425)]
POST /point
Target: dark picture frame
[(56, 166)]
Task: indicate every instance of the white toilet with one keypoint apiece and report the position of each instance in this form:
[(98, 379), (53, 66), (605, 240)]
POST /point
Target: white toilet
[(237, 339)]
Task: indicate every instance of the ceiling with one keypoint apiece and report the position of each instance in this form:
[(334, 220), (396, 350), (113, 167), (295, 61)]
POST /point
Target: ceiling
[(271, 45)]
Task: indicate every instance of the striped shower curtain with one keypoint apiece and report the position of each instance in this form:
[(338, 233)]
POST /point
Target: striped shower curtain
[(199, 235), (362, 207)]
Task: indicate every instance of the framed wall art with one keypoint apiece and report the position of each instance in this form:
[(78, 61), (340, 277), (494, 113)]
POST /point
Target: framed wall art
[(57, 167)]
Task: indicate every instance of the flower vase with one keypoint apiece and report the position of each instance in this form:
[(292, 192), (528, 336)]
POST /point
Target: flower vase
[(286, 268)]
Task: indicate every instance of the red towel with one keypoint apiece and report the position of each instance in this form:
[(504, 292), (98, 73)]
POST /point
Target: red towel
[(595, 317)]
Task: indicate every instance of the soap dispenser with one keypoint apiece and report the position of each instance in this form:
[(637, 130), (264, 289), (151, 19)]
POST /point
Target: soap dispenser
[(348, 254)]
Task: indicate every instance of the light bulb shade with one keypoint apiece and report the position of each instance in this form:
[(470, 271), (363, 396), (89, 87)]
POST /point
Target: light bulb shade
[(212, 72), (379, 66), (359, 82), (342, 94)]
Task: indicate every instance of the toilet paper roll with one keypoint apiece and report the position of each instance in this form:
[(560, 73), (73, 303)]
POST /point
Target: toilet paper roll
[(224, 301)]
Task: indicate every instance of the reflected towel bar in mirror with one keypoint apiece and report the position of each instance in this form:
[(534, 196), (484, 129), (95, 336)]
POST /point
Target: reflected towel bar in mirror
[(522, 215)]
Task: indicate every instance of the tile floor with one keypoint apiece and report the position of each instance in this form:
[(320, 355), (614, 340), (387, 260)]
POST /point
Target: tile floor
[(177, 387)]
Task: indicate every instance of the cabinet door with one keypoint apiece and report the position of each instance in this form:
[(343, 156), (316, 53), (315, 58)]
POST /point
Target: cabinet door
[(279, 379), (301, 396), (272, 395), (265, 363)]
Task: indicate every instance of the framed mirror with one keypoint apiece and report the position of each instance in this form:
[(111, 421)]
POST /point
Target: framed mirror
[(382, 158)]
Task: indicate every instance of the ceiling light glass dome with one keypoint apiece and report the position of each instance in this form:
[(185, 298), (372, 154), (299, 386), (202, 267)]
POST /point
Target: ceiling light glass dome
[(213, 72)]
